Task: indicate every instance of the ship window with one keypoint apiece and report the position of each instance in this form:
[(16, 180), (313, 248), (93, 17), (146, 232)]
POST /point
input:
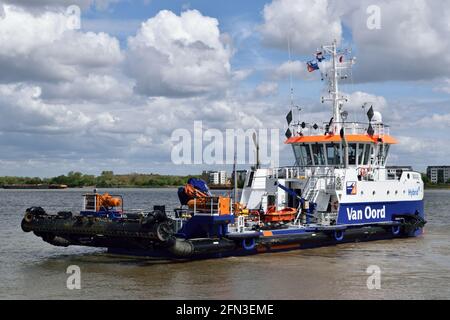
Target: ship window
[(250, 179), (386, 152), (306, 155), (298, 155), (361, 153), (318, 154), (352, 153), (333, 154), (383, 150), (367, 154)]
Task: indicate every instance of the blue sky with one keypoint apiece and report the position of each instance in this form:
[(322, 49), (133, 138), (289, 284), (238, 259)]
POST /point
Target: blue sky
[(110, 95)]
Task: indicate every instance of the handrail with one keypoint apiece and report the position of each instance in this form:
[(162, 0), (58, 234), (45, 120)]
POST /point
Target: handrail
[(354, 127)]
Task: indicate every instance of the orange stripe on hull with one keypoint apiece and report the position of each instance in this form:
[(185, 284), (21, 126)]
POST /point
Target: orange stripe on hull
[(267, 233), (261, 249), (285, 246)]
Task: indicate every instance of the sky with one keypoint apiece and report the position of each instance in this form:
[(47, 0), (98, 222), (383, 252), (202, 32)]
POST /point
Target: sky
[(108, 90)]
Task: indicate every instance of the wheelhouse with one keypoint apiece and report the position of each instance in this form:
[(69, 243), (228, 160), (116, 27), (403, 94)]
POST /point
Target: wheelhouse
[(363, 150)]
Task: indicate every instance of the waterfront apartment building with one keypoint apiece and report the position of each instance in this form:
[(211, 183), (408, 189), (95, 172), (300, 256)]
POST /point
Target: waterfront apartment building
[(438, 174), (215, 177)]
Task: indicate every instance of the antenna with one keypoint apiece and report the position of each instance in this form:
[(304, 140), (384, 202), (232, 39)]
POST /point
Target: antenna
[(290, 73), (255, 141), (235, 181), (337, 100)]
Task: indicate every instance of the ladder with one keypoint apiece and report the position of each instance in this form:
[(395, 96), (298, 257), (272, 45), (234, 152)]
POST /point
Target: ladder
[(311, 190)]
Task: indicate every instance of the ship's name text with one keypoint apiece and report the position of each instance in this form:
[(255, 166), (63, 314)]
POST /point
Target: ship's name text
[(368, 213)]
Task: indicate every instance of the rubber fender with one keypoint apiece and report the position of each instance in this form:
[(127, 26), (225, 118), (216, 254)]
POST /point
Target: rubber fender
[(164, 231), (182, 248), (56, 240), (25, 224), (65, 214), (36, 211)]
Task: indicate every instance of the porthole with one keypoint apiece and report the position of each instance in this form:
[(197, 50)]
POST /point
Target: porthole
[(362, 192), (373, 192), (396, 191), (408, 175), (388, 192)]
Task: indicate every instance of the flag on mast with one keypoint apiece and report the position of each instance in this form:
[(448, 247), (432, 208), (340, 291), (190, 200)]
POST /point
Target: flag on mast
[(312, 66), (319, 56)]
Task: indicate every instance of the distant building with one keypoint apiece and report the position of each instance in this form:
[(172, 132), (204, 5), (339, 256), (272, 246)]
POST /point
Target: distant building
[(438, 174), (396, 171), (215, 177), (222, 178)]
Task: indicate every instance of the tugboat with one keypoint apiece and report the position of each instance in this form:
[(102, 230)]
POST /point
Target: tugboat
[(338, 191)]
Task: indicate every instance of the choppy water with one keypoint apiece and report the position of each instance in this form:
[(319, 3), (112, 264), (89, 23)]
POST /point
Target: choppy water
[(415, 268)]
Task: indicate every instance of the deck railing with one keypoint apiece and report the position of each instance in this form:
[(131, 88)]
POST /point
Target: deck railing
[(350, 128)]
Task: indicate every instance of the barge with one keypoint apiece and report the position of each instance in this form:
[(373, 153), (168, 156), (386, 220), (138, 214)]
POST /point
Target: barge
[(338, 191)]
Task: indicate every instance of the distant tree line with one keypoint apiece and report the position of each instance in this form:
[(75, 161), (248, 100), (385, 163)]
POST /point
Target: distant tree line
[(107, 179)]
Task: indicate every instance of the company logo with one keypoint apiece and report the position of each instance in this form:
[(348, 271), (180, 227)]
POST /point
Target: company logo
[(351, 188)]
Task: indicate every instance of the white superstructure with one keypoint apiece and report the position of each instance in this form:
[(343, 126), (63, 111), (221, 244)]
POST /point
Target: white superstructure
[(340, 166)]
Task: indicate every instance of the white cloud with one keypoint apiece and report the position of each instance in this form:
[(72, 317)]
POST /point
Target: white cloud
[(67, 96), (307, 24), (179, 55), (266, 89), (52, 4), (358, 98), (41, 48), (445, 87), (435, 121), (93, 87), (24, 111), (412, 43), (296, 68)]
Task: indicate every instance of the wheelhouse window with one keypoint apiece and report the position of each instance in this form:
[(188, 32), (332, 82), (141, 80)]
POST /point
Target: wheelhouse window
[(306, 155), (360, 159), (367, 152), (333, 153), (303, 155), (318, 154), (383, 150), (352, 153), (298, 155)]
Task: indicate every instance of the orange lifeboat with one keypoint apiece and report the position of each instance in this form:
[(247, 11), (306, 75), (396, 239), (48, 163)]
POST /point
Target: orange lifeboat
[(107, 201), (283, 215)]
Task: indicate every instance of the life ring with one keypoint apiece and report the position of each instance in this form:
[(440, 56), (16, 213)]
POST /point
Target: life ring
[(395, 230), (363, 172), (338, 235), (248, 245)]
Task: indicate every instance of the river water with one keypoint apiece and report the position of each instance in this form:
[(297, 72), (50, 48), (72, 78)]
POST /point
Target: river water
[(414, 268)]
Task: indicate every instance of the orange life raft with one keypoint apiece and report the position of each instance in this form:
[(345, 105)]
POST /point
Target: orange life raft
[(283, 215)]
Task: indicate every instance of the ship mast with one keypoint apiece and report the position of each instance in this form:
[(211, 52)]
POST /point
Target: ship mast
[(337, 101)]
